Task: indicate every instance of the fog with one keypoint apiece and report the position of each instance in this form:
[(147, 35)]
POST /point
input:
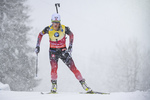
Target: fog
[(99, 26)]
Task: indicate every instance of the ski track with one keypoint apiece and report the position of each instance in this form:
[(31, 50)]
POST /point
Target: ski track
[(11, 95)]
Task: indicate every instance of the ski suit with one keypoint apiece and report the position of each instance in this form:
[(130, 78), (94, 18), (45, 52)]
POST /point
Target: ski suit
[(58, 49)]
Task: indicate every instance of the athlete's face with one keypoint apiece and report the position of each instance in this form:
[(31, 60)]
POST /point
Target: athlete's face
[(56, 25)]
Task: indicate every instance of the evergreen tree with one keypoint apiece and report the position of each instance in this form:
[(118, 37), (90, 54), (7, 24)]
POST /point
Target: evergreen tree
[(16, 63)]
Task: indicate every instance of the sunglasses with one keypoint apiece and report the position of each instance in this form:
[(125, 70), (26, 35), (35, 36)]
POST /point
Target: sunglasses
[(56, 22)]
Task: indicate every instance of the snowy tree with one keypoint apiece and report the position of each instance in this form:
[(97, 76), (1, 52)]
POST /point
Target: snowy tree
[(16, 63), (130, 63)]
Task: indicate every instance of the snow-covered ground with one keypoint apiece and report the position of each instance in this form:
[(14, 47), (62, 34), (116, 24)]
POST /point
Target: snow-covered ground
[(5, 95)]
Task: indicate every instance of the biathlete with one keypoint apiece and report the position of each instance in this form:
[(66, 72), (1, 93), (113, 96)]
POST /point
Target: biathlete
[(57, 37)]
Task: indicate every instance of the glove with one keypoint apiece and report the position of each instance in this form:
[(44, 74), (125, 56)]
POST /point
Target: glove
[(70, 49), (37, 49)]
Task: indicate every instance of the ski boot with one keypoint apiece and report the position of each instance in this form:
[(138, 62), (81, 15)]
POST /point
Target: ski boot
[(85, 87), (54, 86)]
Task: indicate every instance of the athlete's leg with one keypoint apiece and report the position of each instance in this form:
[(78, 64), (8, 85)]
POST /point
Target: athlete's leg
[(67, 59), (54, 65)]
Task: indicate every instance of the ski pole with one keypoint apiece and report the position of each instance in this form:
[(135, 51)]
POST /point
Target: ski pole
[(36, 67), (57, 4)]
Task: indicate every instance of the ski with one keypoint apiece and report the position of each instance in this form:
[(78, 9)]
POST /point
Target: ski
[(48, 93), (94, 92)]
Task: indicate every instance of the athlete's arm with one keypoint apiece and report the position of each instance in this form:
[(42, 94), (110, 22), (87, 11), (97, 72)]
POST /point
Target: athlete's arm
[(70, 34), (45, 31)]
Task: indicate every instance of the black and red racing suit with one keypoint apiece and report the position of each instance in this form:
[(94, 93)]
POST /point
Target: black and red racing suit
[(58, 49)]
